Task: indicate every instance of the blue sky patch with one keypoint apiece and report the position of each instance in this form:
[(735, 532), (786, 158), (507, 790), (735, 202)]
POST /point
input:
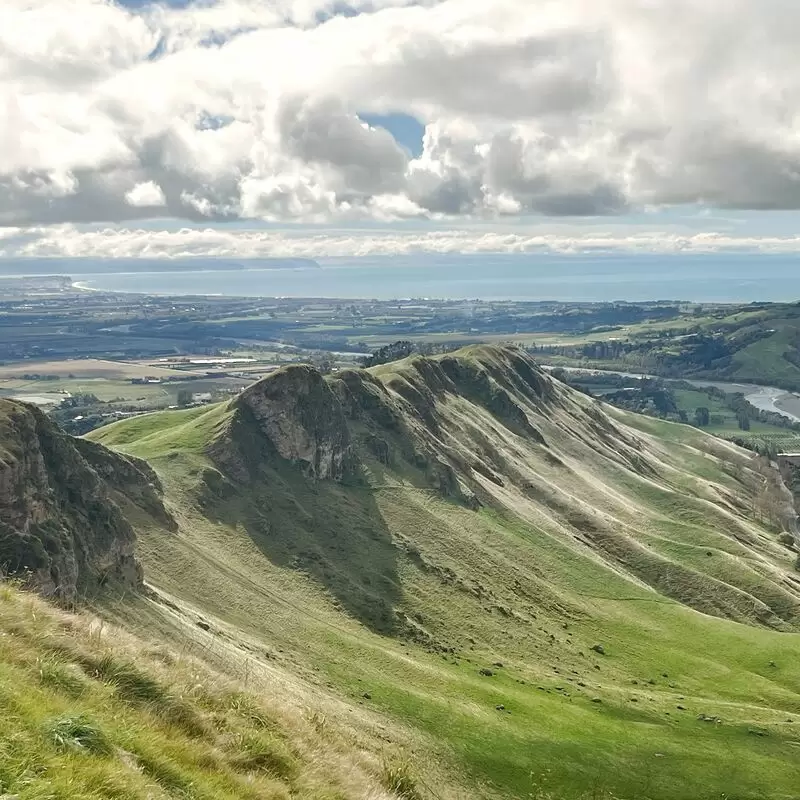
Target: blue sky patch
[(407, 130)]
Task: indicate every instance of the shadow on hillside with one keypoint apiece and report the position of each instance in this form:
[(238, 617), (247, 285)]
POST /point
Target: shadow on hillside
[(335, 533)]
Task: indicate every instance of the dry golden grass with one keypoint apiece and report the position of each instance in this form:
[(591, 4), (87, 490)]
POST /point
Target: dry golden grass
[(89, 368), (91, 711)]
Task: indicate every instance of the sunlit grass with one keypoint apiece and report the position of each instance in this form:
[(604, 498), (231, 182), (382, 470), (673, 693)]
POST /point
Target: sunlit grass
[(87, 716)]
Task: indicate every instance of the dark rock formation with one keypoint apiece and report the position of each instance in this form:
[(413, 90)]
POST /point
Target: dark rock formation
[(129, 477), (60, 529), (303, 420)]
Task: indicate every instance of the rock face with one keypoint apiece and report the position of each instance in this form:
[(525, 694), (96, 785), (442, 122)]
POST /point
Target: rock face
[(60, 530), (303, 420), (129, 477)]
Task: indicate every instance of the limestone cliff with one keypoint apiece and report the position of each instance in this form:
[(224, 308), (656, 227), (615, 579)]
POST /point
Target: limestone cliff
[(60, 530), (302, 419)]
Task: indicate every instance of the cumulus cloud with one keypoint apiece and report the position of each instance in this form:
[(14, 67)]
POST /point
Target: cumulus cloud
[(237, 109), (68, 241), (145, 194)]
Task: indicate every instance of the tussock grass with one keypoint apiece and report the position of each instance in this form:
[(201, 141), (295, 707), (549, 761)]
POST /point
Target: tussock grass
[(256, 750), (78, 732), (129, 682), (397, 776), (60, 676), (244, 705), (88, 712)]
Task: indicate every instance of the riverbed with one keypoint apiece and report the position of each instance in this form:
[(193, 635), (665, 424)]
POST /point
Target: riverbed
[(765, 398)]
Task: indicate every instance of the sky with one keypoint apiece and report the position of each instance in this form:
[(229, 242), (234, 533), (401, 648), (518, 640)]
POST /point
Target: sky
[(252, 128)]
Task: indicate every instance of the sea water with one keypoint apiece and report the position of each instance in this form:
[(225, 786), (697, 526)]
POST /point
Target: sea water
[(721, 278)]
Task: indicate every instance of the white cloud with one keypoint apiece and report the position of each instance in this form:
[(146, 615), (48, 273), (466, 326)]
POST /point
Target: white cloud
[(243, 109), (67, 241), (147, 194)]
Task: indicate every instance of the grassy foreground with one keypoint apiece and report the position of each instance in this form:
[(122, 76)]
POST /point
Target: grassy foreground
[(91, 713)]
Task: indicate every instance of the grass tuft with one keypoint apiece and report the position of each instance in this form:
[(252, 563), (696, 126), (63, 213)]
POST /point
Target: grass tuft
[(167, 774), (267, 753), (129, 682), (60, 677), (245, 707), (397, 777), (78, 732)]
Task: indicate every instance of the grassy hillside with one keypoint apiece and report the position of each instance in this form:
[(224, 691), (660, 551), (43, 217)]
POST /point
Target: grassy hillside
[(91, 713), (538, 595), (750, 344)]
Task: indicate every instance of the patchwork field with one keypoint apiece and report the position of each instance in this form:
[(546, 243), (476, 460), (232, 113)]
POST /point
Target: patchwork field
[(87, 368)]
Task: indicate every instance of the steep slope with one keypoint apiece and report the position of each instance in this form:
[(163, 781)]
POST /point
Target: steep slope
[(59, 527), (92, 713), (542, 592)]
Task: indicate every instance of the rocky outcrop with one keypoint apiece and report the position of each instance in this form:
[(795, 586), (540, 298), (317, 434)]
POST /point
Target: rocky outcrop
[(60, 529), (302, 419), (364, 397), (326, 426), (130, 478)]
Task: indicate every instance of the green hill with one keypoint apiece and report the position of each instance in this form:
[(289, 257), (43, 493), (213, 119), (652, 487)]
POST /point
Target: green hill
[(757, 343), (90, 712), (535, 594)]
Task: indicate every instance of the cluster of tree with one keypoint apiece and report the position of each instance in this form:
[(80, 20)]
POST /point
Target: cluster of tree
[(403, 349), (652, 398), (184, 397), (79, 413), (614, 350), (80, 400), (763, 447), (79, 426), (674, 353), (792, 352), (390, 352), (649, 396)]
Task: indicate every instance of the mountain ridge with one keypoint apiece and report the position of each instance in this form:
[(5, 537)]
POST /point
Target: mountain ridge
[(509, 574), (414, 416)]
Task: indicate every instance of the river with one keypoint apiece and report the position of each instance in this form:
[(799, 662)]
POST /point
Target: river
[(765, 398)]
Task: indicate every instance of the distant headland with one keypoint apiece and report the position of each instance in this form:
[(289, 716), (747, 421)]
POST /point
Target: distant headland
[(87, 266)]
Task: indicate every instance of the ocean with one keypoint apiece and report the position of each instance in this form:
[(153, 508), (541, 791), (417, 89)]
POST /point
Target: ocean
[(719, 278)]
